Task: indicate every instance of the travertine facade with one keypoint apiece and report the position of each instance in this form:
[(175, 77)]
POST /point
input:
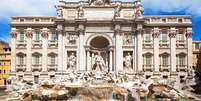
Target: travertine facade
[(98, 35)]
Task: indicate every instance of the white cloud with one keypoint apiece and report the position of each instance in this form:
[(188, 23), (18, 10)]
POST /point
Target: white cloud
[(192, 7)]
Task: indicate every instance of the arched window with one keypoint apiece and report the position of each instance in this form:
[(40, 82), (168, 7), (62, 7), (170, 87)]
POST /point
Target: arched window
[(52, 59), (181, 59), (21, 59), (148, 59), (36, 59), (164, 59)]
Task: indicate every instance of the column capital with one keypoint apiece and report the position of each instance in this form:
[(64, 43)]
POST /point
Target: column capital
[(139, 30), (45, 32), (14, 32), (156, 33), (60, 28), (172, 33), (29, 32), (80, 29), (118, 32), (189, 33)]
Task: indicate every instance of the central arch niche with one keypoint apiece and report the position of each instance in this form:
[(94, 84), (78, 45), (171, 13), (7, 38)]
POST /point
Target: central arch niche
[(99, 42)]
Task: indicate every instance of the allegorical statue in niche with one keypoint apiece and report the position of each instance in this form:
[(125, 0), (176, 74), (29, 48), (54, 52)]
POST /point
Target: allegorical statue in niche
[(71, 61), (99, 63), (128, 61)]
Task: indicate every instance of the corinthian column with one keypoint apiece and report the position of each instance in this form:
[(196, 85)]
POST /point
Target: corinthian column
[(139, 48), (45, 33), (118, 48), (172, 35), (156, 49), (13, 49), (189, 46), (29, 34), (60, 46), (81, 49)]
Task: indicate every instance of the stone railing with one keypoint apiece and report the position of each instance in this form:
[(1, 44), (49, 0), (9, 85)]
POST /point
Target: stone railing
[(168, 19), (148, 68), (164, 68), (36, 68), (52, 67), (182, 68), (21, 68)]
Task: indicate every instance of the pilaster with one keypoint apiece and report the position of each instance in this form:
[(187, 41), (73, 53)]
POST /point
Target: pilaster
[(29, 35), (45, 33), (156, 34), (13, 47), (172, 35), (60, 45), (81, 49), (118, 48), (139, 48), (189, 46)]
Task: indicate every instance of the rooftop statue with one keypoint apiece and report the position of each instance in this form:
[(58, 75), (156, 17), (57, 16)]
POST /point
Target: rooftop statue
[(99, 2)]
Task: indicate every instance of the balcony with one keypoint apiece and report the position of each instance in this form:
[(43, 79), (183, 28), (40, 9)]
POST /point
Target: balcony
[(180, 44), (21, 44), (53, 44), (36, 68), (182, 68), (164, 43), (37, 44), (164, 68), (21, 68), (148, 68), (147, 44), (52, 68)]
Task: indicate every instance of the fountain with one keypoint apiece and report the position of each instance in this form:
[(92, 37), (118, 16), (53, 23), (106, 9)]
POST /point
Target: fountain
[(98, 86)]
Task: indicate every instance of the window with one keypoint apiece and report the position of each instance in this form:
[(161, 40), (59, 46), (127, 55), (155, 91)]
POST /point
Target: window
[(36, 59), (53, 36), (52, 59), (163, 20), (197, 46), (180, 36), (21, 60), (147, 37), (164, 37), (165, 60), (37, 36), (181, 60), (22, 36), (148, 59)]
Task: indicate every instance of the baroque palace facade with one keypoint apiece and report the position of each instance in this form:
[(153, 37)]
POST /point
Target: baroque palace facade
[(100, 35)]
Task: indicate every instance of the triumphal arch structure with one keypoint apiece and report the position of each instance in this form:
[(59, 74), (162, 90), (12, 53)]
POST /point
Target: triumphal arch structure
[(101, 35)]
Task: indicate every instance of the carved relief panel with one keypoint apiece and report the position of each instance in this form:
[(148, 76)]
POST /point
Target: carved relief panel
[(72, 39), (128, 39)]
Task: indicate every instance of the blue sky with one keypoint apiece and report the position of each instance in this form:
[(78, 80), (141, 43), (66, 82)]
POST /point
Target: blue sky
[(10, 8)]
